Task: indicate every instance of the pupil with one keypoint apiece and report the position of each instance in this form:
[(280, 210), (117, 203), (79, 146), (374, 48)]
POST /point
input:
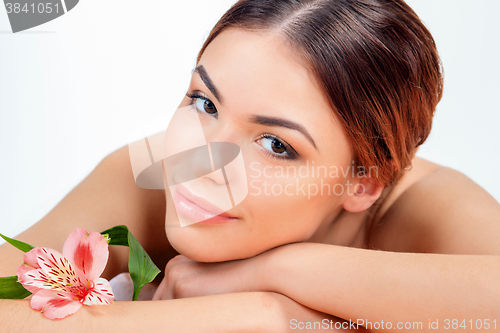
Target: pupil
[(278, 146), (209, 107)]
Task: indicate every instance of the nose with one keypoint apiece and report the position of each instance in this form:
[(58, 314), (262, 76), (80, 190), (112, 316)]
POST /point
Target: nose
[(222, 149), (227, 157), (201, 162), (223, 153), (187, 150)]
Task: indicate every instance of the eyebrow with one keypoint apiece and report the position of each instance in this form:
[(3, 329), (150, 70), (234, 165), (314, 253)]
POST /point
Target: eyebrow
[(206, 79), (271, 121), (262, 120)]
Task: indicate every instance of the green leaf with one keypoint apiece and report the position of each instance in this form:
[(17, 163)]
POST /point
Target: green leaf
[(11, 289), (118, 235), (20, 245), (141, 268)]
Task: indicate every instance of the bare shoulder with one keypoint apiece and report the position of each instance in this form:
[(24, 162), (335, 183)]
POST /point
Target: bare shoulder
[(440, 211)]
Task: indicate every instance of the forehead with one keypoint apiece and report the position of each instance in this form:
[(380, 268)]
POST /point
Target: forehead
[(237, 60), (256, 73)]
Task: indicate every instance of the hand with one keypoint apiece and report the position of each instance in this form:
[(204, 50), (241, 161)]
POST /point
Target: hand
[(188, 278)]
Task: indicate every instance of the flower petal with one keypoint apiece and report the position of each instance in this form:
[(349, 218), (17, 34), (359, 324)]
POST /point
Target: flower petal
[(30, 258), (37, 278), (55, 273), (54, 304), (30, 263), (25, 280), (87, 252), (100, 294)]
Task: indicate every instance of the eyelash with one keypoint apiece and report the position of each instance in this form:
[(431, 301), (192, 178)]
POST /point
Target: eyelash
[(193, 96), (291, 154)]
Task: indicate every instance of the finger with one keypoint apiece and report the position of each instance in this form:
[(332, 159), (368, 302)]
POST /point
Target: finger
[(160, 290)]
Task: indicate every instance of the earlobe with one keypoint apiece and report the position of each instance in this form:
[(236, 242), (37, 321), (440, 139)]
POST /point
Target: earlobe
[(363, 195)]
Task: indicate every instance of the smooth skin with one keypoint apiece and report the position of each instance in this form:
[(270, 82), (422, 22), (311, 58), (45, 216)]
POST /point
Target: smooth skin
[(430, 253), (111, 191)]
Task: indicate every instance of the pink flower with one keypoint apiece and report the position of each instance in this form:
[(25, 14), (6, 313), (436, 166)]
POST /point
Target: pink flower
[(62, 283)]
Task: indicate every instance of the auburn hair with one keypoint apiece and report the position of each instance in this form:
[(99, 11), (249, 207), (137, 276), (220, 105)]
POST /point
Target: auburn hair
[(376, 61)]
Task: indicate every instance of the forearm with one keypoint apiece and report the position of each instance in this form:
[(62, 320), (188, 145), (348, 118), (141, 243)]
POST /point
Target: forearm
[(16, 316), (378, 285), (242, 312)]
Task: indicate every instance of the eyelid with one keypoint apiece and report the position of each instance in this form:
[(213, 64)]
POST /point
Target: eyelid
[(291, 152), (199, 94)]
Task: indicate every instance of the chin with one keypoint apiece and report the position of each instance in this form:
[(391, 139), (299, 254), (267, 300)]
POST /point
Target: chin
[(203, 256), (202, 250)]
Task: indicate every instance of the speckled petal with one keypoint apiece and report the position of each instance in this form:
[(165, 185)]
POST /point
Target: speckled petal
[(87, 252), (100, 294), (54, 304)]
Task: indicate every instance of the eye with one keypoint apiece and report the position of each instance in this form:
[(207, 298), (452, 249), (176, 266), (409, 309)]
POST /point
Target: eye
[(273, 145), (276, 147), (203, 104)]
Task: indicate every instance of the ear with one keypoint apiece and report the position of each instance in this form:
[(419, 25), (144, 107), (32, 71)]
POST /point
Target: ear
[(366, 192)]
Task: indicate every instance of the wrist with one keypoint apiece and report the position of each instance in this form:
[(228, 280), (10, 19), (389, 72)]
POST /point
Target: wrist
[(278, 265), (269, 269)]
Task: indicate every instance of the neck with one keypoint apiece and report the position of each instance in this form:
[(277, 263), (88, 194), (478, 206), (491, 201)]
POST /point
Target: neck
[(347, 228)]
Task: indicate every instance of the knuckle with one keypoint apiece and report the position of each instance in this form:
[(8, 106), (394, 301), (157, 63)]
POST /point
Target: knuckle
[(173, 274), (181, 289), (178, 258), (174, 261)]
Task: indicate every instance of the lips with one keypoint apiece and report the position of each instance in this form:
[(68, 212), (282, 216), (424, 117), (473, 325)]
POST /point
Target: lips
[(198, 209)]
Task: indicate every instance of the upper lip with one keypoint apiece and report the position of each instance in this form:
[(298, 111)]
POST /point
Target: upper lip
[(197, 200)]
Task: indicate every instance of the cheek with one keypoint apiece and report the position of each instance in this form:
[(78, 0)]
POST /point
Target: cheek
[(280, 208), (288, 204)]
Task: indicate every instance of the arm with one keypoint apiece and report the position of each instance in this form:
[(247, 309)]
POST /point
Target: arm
[(352, 283), (235, 312), (385, 286), (372, 285), (207, 314), (444, 213), (105, 198)]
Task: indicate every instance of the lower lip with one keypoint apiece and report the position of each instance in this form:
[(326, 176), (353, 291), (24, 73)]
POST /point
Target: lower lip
[(195, 213)]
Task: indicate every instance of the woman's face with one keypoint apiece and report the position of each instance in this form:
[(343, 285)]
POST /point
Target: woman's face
[(295, 154)]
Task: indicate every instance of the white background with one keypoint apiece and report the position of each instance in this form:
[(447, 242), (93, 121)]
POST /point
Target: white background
[(72, 88)]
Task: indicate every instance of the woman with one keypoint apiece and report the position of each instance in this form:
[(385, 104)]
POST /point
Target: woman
[(344, 86)]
